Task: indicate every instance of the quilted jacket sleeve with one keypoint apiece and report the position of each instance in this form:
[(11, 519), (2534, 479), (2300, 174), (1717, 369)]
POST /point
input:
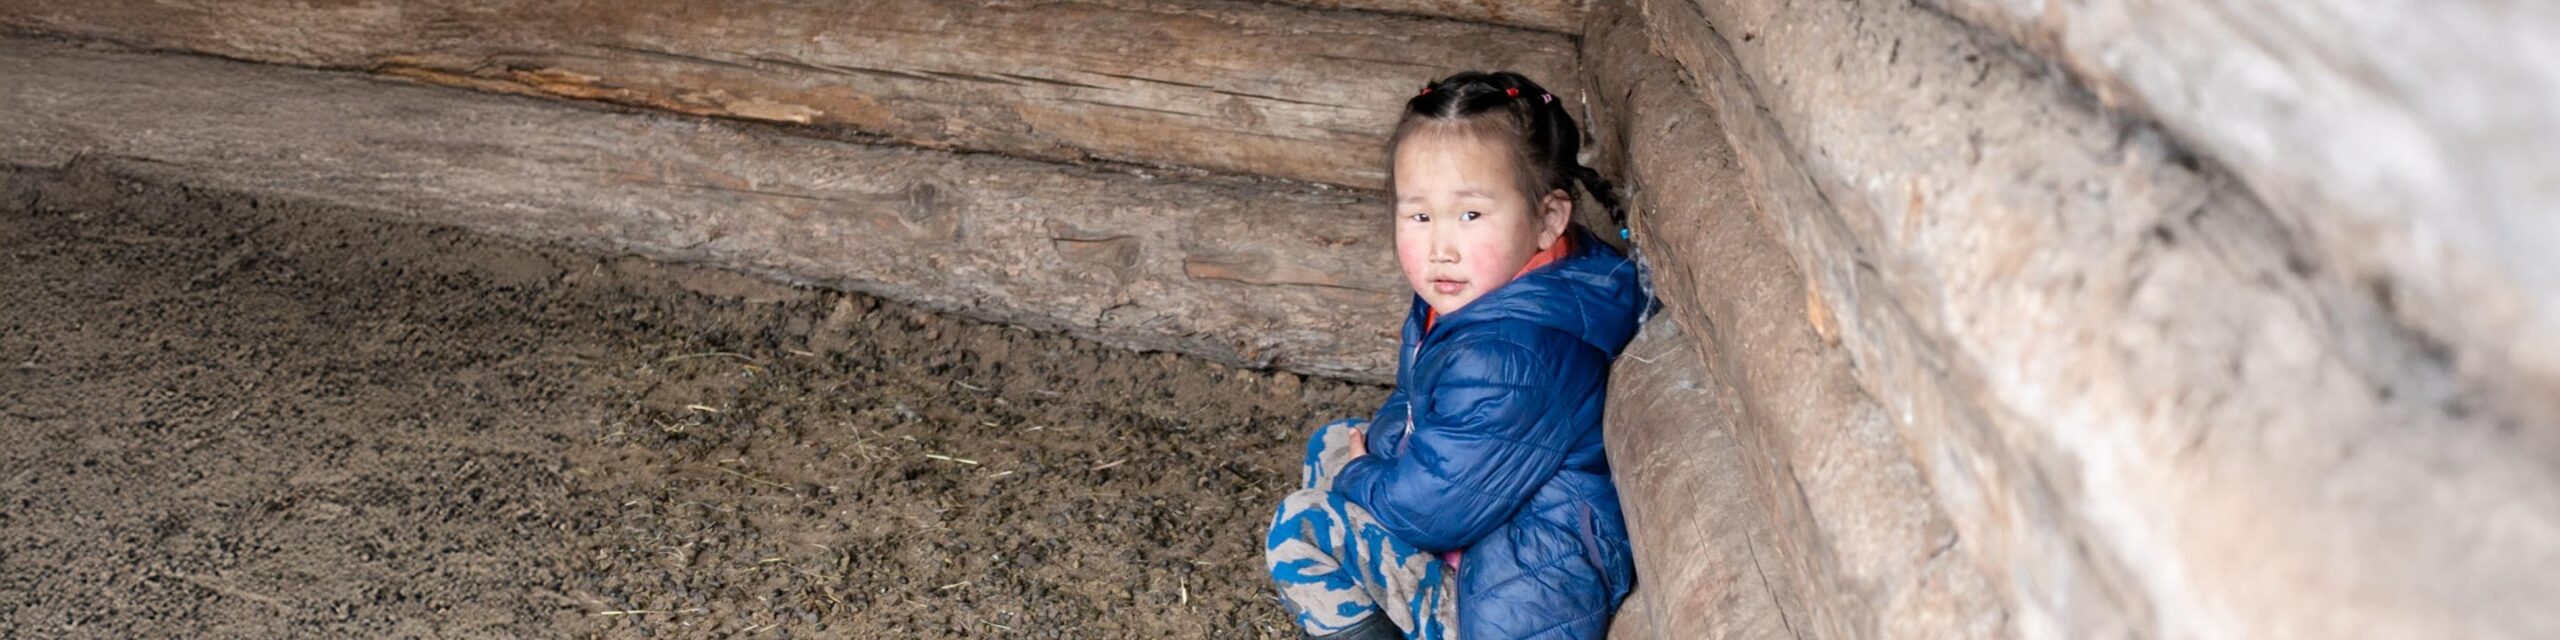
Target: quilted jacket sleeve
[(1388, 422), (1475, 455)]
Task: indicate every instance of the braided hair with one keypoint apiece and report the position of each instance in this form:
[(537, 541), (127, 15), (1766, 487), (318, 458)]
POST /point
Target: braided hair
[(1507, 106)]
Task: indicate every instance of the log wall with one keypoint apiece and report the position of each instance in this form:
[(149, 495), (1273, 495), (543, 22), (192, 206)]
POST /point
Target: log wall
[(1160, 237), (1855, 534), (2152, 390), (1561, 16), (1242, 271), (1984, 317), (2407, 149), (1712, 566), (1233, 87)]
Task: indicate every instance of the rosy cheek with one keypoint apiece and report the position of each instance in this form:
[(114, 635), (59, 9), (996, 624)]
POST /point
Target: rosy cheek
[(1487, 269), (1411, 257), (1490, 274), (1497, 266)]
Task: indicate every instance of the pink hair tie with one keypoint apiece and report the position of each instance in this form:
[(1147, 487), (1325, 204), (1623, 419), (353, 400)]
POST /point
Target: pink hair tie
[(1546, 97), (1425, 91)]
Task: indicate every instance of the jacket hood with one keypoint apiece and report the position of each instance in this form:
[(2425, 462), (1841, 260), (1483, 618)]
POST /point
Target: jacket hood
[(1592, 294)]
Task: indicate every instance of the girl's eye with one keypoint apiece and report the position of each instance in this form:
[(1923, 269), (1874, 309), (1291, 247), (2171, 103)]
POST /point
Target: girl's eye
[(1471, 215), (1418, 217)]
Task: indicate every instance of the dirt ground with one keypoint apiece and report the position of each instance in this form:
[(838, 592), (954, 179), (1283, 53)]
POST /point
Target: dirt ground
[(235, 418)]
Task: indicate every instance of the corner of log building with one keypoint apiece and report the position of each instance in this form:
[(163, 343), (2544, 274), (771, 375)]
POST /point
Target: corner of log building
[(2104, 318)]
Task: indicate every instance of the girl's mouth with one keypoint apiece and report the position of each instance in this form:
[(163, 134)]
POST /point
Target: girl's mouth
[(1446, 287)]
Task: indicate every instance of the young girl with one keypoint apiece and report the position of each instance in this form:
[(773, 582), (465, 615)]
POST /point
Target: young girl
[(1477, 503)]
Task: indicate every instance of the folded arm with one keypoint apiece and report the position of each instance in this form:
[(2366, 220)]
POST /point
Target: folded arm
[(1475, 455)]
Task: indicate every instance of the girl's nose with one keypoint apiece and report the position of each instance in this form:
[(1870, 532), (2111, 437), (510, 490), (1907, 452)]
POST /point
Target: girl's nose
[(1443, 248)]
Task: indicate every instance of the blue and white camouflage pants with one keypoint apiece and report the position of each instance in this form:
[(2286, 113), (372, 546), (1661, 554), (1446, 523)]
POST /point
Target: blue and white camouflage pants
[(1335, 565)]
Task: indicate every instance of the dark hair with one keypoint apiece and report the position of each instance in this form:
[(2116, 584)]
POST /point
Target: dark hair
[(1533, 122)]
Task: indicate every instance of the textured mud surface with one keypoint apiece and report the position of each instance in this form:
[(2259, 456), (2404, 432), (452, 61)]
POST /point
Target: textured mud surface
[(236, 418)]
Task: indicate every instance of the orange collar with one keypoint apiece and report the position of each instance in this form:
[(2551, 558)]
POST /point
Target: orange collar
[(1553, 252)]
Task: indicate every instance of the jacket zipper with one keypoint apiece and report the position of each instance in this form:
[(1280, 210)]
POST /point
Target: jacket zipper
[(1405, 439)]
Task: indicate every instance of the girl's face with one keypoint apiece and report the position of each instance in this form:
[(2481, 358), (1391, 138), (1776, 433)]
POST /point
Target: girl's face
[(1463, 227)]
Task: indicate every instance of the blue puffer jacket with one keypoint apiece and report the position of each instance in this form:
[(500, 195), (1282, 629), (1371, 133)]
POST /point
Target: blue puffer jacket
[(1491, 444)]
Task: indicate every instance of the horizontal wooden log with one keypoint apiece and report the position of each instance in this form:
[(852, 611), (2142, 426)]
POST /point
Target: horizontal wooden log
[(1241, 271), (1561, 16), (1693, 506), (2141, 404), (1634, 620), (1844, 527), (2410, 147), (1236, 87)]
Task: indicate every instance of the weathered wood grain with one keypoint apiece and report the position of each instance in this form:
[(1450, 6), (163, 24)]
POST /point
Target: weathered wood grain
[(2142, 398), (1561, 16), (1241, 271), (2413, 147), (1233, 87), (1705, 561), (1846, 531)]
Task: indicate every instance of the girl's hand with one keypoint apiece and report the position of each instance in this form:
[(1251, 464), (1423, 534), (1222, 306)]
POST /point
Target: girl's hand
[(1359, 442)]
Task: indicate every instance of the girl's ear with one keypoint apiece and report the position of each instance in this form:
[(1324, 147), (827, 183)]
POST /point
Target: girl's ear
[(1555, 212)]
